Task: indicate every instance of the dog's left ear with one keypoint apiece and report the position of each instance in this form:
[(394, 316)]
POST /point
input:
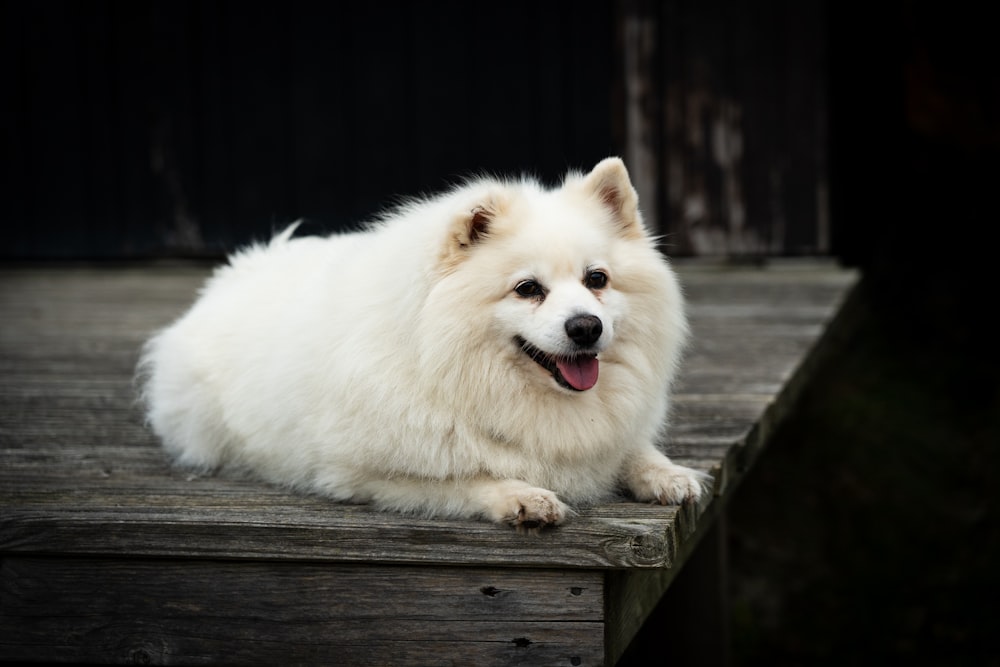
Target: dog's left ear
[(610, 183)]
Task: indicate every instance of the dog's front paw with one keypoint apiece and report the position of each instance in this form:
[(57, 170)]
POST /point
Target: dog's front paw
[(670, 484), (527, 508)]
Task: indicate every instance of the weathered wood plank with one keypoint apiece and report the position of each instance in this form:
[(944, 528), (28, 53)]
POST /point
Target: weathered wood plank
[(305, 591), (211, 612), (194, 527)]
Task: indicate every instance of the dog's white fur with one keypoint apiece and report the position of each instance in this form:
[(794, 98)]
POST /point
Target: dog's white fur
[(384, 365)]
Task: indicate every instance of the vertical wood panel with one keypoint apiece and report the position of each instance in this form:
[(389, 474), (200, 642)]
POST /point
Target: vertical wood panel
[(444, 109), (15, 176), (54, 154), (643, 96), (744, 125), (172, 139)]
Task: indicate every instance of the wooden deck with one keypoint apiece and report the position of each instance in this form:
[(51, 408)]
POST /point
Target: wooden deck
[(107, 555)]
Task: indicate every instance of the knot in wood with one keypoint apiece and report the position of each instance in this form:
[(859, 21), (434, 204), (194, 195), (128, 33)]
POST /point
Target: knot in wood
[(649, 549)]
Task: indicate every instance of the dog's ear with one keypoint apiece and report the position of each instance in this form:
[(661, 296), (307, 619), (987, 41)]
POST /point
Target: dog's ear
[(469, 228), (474, 226), (609, 182)]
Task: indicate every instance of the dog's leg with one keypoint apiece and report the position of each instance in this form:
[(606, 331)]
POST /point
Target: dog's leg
[(651, 476), (508, 501)]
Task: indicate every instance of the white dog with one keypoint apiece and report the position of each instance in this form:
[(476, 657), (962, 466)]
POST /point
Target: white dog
[(496, 351)]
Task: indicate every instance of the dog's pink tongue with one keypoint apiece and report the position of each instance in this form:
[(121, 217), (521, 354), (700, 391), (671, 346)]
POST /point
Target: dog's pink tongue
[(579, 372)]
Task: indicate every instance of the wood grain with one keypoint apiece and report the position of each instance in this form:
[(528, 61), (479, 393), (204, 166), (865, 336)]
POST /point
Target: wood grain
[(167, 611)]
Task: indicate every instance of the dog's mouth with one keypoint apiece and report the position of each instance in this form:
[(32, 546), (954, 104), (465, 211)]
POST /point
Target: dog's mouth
[(577, 372)]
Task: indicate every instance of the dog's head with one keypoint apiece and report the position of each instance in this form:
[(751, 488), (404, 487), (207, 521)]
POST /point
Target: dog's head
[(549, 274)]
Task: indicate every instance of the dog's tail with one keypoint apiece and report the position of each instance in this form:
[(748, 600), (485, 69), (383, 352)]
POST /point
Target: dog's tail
[(286, 233)]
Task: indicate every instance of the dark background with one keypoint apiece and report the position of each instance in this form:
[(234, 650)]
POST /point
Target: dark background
[(169, 128), (869, 530), (187, 128), (865, 132)]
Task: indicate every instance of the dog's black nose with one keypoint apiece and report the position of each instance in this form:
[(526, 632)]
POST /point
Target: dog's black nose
[(584, 330)]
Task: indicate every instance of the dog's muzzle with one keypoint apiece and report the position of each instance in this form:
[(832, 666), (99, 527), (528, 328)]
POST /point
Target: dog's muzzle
[(577, 372)]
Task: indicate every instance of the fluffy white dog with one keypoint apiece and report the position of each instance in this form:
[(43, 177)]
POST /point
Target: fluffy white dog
[(496, 351)]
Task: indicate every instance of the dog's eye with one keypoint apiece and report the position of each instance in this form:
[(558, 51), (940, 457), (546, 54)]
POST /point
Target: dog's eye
[(596, 280), (529, 289)]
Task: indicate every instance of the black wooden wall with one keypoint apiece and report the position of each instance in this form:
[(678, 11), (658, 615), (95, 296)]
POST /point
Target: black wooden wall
[(185, 127), (179, 127)]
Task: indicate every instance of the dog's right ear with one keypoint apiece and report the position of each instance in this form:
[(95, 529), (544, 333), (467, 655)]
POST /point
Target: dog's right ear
[(474, 226), (470, 228)]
